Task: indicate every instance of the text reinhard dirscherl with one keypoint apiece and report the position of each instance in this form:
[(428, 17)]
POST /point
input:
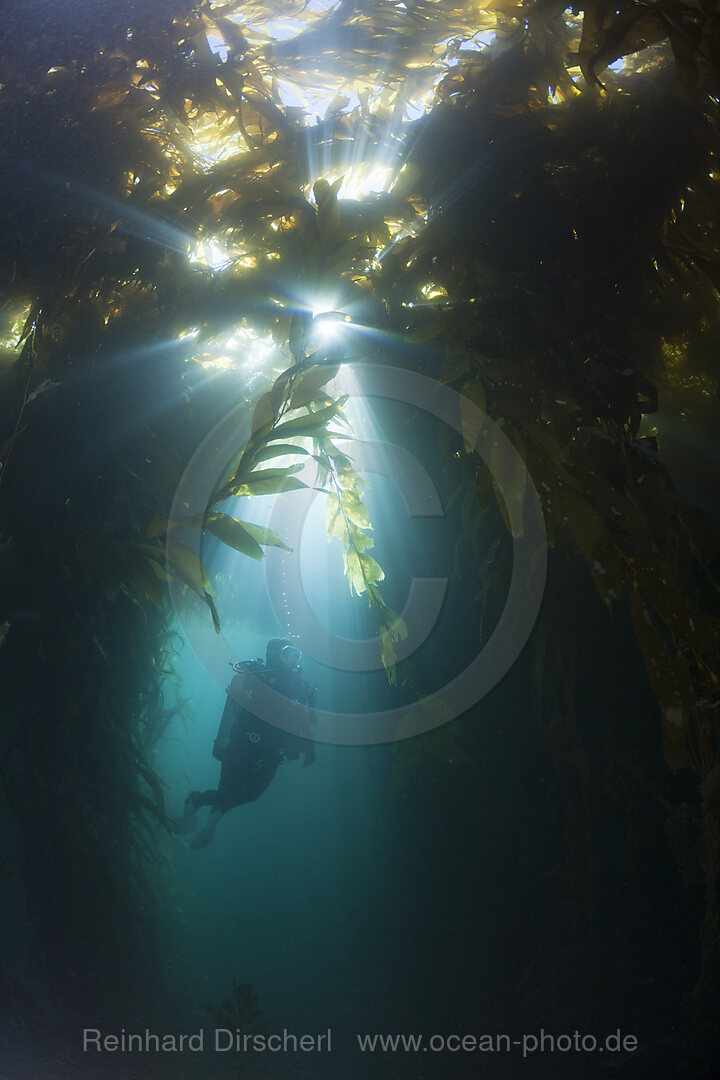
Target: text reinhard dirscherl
[(221, 1040)]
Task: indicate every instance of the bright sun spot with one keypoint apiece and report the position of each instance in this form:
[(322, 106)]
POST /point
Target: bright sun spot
[(242, 349), (328, 321), (367, 179), (316, 101), (434, 292), (215, 139), (12, 324), (211, 254), (328, 325), (321, 305), (218, 46)]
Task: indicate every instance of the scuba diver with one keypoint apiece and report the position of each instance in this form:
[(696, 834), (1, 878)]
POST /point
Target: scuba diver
[(250, 749)]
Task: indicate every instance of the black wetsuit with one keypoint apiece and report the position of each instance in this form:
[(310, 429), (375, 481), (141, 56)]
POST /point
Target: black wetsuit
[(256, 748)]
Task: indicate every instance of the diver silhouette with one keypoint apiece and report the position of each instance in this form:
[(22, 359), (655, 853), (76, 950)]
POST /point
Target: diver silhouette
[(251, 749)]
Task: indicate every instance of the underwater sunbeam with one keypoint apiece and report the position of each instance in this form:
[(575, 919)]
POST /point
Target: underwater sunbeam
[(94, 206)]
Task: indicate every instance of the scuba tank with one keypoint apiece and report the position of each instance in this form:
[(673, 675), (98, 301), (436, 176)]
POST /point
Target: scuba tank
[(229, 716), (304, 694)]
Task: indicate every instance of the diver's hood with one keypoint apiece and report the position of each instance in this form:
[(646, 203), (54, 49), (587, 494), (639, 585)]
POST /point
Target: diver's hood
[(283, 654)]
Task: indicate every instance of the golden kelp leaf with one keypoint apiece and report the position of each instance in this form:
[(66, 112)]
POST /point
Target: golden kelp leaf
[(354, 508), (272, 474), (309, 383), (186, 565), (226, 528), (321, 191), (360, 540), (158, 570), (395, 630), (234, 534), (324, 467), (361, 570), (372, 571), (388, 656), (310, 424), (273, 450), (263, 415), (337, 105), (630, 31), (299, 326), (231, 33), (157, 527), (265, 536), (334, 520), (213, 611), (160, 525), (264, 485), (328, 448), (353, 572)]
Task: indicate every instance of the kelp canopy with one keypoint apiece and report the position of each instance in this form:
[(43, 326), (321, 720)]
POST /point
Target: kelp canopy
[(519, 200)]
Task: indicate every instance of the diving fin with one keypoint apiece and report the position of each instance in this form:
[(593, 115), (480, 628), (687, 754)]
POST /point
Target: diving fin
[(188, 822), (204, 837)]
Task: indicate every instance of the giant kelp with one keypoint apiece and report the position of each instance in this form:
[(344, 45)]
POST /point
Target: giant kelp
[(549, 248)]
